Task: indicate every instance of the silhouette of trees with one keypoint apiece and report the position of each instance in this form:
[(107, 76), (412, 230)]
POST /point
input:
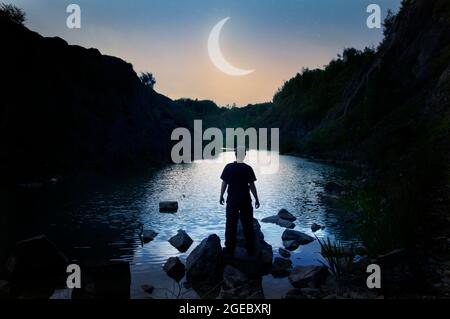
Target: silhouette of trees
[(13, 13), (148, 79), (388, 23)]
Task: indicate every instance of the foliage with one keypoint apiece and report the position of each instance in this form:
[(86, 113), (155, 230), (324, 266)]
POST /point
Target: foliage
[(337, 256), (13, 13), (148, 79), (388, 23)]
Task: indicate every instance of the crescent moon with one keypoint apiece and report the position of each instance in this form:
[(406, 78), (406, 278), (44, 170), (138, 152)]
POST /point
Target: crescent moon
[(216, 56)]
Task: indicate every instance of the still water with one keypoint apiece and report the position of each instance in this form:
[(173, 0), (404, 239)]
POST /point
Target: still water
[(98, 219)]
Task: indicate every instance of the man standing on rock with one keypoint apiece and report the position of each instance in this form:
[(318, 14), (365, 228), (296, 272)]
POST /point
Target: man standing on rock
[(240, 179)]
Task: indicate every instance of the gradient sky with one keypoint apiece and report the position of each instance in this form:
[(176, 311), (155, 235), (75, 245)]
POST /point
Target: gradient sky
[(277, 38)]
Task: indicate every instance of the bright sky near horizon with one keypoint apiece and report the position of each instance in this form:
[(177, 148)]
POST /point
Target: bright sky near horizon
[(169, 38)]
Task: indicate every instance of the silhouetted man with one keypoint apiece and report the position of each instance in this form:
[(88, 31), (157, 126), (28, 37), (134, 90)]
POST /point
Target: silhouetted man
[(240, 180)]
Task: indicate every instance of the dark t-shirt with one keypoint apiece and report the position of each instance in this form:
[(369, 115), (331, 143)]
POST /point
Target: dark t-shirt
[(238, 176)]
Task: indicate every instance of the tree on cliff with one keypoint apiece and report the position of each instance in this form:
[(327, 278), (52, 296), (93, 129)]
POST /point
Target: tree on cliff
[(148, 79), (12, 13)]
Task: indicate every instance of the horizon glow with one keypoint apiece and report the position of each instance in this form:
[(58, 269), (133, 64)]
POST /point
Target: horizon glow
[(169, 38)]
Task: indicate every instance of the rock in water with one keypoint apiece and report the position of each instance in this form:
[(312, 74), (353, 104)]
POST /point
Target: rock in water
[(285, 223), (281, 267), (148, 235), (204, 266), (284, 253), (284, 214), (311, 276), (261, 262), (315, 227), (279, 221), (168, 207), (174, 268), (290, 245), (37, 259), (300, 238), (110, 280), (237, 285), (271, 219), (181, 241), (148, 289)]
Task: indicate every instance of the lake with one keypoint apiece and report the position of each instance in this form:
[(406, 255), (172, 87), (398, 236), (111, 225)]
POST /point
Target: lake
[(98, 218)]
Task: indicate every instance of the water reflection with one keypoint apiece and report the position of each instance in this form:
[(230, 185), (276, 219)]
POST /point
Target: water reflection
[(99, 219)]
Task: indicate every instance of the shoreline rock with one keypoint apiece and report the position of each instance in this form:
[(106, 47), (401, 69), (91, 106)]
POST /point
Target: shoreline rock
[(181, 241), (174, 268)]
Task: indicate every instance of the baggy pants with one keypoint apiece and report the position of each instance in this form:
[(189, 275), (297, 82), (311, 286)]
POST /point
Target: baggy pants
[(244, 213)]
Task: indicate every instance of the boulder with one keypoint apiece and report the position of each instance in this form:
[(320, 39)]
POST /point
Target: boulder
[(204, 265), (110, 280), (315, 227), (311, 276), (148, 235), (236, 285), (181, 241), (174, 268), (300, 238), (285, 223), (281, 267), (284, 253), (168, 207), (258, 264), (271, 219), (279, 221), (284, 214), (148, 289), (37, 259), (290, 245)]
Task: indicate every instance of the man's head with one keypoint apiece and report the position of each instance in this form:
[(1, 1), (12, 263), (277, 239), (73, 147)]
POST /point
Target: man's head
[(240, 153)]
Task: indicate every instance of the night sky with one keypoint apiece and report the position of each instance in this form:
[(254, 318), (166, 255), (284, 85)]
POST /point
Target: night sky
[(169, 38)]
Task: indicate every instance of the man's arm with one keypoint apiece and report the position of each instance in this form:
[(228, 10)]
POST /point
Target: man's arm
[(255, 194), (222, 192)]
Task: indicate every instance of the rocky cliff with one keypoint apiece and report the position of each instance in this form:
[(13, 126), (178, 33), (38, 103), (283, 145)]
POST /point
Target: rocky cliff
[(66, 109)]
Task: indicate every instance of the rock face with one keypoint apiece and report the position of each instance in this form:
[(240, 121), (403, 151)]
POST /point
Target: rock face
[(110, 280), (281, 267), (298, 237), (181, 241), (119, 122), (284, 214), (204, 265), (37, 258), (174, 268), (237, 285), (311, 276), (168, 207), (279, 221)]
